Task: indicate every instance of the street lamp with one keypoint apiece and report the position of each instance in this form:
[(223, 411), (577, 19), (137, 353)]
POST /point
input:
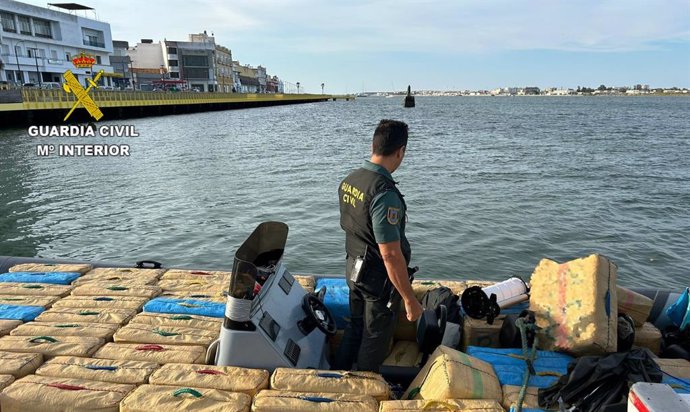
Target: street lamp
[(322, 85), (38, 74), (297, 87), (16, 56)]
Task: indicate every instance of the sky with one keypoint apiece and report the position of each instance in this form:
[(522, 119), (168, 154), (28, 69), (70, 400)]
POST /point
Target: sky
[(384, 45)]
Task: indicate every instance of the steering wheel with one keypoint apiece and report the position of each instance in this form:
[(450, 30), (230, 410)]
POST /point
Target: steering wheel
[(317, 316)]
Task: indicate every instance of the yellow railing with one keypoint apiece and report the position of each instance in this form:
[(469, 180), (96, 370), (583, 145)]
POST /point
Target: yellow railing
[(37, 99)]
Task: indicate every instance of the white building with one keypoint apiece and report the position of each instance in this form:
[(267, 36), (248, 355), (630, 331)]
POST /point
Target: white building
[(37, 44)]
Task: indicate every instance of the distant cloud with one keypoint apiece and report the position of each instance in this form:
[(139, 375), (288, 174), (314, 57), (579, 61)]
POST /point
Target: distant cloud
[(451, 26)]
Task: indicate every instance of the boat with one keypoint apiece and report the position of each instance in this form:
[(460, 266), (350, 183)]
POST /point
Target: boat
[(269, 323)]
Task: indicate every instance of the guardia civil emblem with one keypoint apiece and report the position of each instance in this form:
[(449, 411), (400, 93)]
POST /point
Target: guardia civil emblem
[(393, 215)]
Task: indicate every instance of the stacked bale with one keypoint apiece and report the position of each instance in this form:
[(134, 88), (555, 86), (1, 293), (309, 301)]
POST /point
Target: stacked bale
[(224, 378), (128, 276), (90, 315), (287, 401), (160, 354), (103, 331), (6, 326), (105, 370), (50, 346), (340, 382), (19, 364), (52, 267), (148, 398)]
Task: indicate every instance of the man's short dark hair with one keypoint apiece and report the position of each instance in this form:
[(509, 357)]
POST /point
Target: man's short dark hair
[(389, 136)]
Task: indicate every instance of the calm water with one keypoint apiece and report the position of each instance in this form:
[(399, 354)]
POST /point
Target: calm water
[(493, 185)]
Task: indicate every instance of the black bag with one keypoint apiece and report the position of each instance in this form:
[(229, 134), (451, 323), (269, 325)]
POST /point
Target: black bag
[(442, 295), (596, 383)]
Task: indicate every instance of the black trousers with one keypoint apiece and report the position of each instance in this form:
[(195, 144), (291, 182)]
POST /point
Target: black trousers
[(368, 336)]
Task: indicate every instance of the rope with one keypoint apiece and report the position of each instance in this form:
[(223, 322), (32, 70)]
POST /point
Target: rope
[(529, 354), (238, 310)]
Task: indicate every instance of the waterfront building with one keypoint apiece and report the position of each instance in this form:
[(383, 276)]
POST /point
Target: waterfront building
[(121, 63), (261, 78), (248, 78), (37, 44), (223, 69), (147, 64)]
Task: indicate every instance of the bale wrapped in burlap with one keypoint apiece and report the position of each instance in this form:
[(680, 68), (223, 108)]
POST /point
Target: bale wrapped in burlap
[(167, 335), (188, 321), (192, 275), (103, 331), (109, 289), (28, 300), (51, 346), (324, 381), (47, 393), (147, 398), (36, 289), (205, 286), (214, 296), (131, 272), (511, 394), (105, 370), (51, 267), (648, 336), (19, 364), (5, 381), (103, 315), (678, 368), (285, 401), (131, 280), (7, 325), (575, 305), (404, 353), (224, 378), (633, 304), (465, 405), (451, 374), (101, 302), (478, 332), (307, 282), (160, 354)]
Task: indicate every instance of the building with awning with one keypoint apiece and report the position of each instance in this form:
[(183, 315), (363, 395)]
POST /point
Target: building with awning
[(38, 44)]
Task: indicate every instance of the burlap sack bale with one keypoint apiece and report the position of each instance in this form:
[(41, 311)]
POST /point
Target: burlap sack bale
[(19, 364), (160, 354), (465, 405), (214, 296), (7, 325), (47, 393), (451, 374), (404, 353), (225, 378), (91, 315), (678, 368), (104, 370), (147, 398), (204, 286), (35, 289), (576, 305), (28, 300), (114, 279), (478, 332), (191, 275), (285, 401), (171, 320), (103, 331), (51, 346), (511, 394), (5, 381), (51, 267), (109, 289), (633, 304), (324, 381), (420, 287), (307, 282), (130, 272), (648, 336), (101, 302), (167, 335)]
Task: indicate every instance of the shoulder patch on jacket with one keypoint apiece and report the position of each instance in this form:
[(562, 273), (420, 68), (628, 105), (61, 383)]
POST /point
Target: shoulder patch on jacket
[(393, 215)]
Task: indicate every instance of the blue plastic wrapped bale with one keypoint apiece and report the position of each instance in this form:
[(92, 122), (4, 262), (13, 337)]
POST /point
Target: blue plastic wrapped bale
[(185, 307), (337, 299), (17, 312), (510, 366), (55, 278), (515, 309), (677, 384), (679, 312)]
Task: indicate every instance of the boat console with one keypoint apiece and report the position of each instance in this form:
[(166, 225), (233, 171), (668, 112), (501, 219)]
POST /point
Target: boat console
[(270, 320)]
